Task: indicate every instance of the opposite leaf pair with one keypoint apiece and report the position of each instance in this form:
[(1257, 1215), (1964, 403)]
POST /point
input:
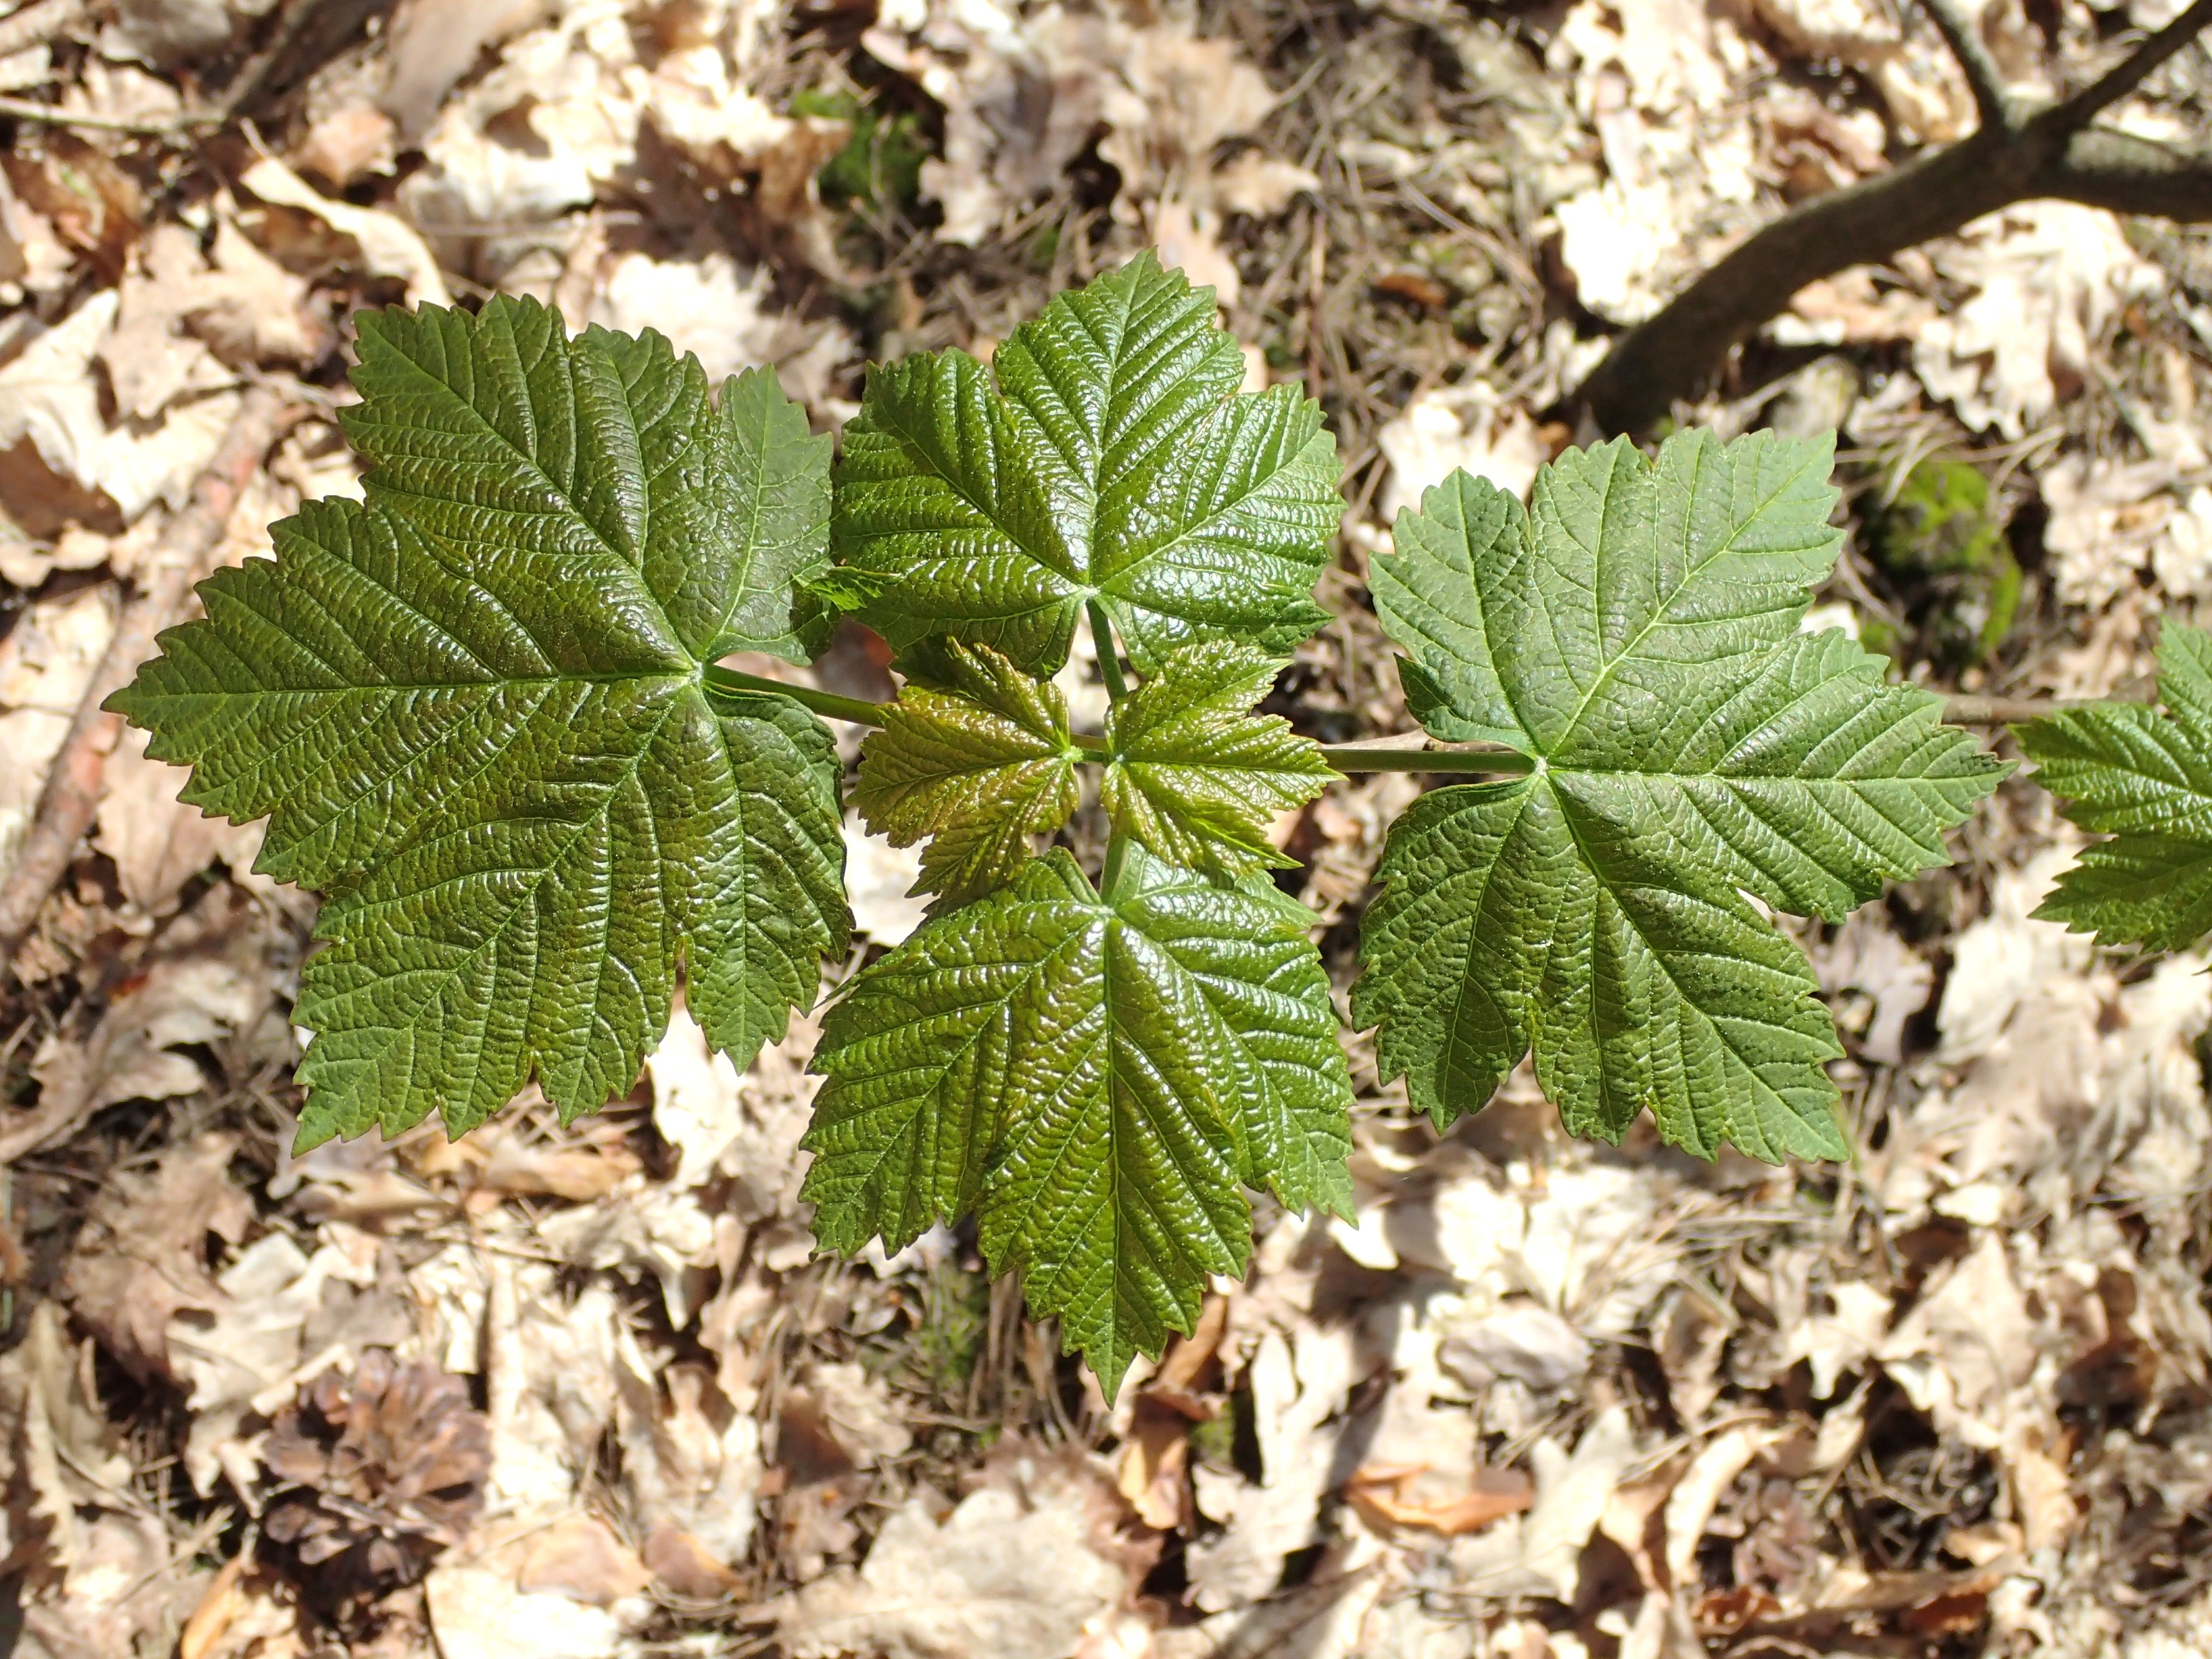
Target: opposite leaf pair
[(482, 711), (978, 758)]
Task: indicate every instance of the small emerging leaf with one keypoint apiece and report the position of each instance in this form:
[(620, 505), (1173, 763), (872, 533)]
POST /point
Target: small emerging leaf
[(1636, 633), (2145, 778), (472, 708), (1098, 1074), (1197, 776), (979, 766), (1114, 460)]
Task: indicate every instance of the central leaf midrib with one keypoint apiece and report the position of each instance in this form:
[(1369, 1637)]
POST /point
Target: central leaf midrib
[(492, 939), (1660, 608), (377, 494), (1582, 856), (1021, 982)]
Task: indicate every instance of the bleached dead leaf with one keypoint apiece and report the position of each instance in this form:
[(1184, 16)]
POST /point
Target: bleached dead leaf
[(2048, 278), (45, 662), (691, 1460), (1293, 1402), (1448, 428), (1867, 957), (1540, 1553), (1656, 81), (1014, 1572), (48, 396), (158, 843), (480, 1608), (389, 246), (1026, 86), (246, 1358), (63, 1453), (206, 978), (879, 881), (2111, 519)]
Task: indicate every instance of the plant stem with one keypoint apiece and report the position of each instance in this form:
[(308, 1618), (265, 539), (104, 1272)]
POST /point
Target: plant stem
[(1110, 660), (1389, 758), (1494, 760), (1117, 854), (858, 710)]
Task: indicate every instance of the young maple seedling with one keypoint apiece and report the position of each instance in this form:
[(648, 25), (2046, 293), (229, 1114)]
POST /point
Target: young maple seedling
[(482, 710)]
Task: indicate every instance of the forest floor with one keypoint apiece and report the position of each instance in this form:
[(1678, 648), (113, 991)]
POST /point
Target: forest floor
[(587, 1391)]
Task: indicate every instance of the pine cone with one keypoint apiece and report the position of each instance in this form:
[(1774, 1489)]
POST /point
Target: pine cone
[(390, 1466)]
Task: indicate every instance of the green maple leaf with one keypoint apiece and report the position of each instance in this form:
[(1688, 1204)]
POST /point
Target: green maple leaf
[(2145, 778), (1097, 1074), (1635, 634), (979, 765), (1194, 775), (1113, 461), (473, 710)]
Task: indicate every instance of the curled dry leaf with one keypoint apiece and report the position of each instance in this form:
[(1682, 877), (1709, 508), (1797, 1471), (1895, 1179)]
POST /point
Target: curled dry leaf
[(141, 1258), (1015, 1571), (388, 245), (49, 398), (388, 1468)]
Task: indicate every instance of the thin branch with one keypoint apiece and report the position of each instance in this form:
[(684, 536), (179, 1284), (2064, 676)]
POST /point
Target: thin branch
[(2120, 172), (2053, 153), (1971, 53), (71, 799), (2084, 106), (22, 109)]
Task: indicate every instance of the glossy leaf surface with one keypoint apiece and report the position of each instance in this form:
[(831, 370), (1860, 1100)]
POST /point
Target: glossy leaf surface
[(1098, 1076), (1636, 633), (2144, 778), (472, 708), (1105, 454)]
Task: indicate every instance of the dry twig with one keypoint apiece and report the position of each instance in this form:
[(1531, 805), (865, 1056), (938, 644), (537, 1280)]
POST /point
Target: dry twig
[(2017, 153), (71, 796)]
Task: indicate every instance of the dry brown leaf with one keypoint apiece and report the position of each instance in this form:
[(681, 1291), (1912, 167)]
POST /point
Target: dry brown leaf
[(159, 844), (1868, 957), (686, 1567), (205, 979), (1448, 428), (388, 245), (48, 398), (142, 1257), (62, 1453), (1540, 1554), (1015, 1572), (1151, 1474), (287, 1316), (579, 1557), (150, 362), (250, 308), (479, 1609), (2049, 279), (1298, 1388), (431, 44), (1378, 1491), (351, 141)]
